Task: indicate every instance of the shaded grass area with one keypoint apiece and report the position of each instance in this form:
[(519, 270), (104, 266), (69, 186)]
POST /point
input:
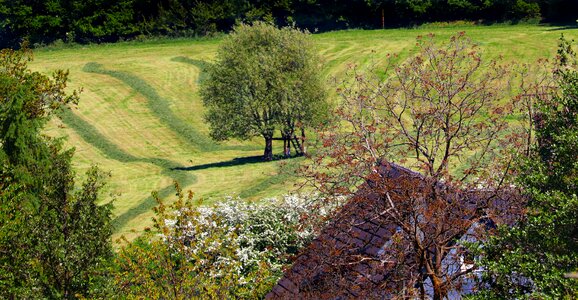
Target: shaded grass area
[(160, 107), (92, 136), (238, 161), (287, 171)]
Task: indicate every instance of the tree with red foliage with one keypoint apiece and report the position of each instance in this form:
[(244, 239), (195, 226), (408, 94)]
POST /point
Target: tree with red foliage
[(442, 113)]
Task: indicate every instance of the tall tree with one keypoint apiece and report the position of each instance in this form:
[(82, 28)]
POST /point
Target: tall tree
[(530, 259), (442, 113), (263, 79), (53, 235)]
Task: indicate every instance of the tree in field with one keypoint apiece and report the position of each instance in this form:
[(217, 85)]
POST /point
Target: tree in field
[(530, 259), (441, 113), (264, 79), (53, 235)]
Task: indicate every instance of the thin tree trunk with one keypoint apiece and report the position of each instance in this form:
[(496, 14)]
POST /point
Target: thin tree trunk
[(303, 148), (268, 154), (438, 291)]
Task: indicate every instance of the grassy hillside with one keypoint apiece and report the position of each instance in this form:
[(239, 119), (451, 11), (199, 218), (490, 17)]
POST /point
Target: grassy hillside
[(140, 116)]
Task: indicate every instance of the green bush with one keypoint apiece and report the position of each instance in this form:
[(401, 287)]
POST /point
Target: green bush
[(234, 249)]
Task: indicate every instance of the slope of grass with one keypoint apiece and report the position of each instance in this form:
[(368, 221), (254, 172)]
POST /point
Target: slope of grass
[(140, 115), (158, 106)]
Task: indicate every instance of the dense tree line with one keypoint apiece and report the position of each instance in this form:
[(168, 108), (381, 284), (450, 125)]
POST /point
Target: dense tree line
[(53, 235), (45, 21)]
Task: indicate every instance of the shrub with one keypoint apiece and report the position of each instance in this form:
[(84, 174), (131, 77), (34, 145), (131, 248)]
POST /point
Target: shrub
[(234, 249)]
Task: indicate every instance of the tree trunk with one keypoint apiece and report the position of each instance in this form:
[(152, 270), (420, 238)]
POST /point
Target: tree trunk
[(437, 295), (268, 154), (303, 148), (286, 145), (438, 288)]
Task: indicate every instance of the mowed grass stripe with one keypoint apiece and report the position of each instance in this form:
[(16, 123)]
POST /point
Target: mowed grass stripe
[(286, 173), (200, 64), (159, 106), (92, 136)]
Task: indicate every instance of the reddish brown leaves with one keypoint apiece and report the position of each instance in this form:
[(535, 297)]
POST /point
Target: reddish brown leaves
[(443, 113)]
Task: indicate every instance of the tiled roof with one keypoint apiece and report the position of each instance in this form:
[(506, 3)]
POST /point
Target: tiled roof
[(347, 260)]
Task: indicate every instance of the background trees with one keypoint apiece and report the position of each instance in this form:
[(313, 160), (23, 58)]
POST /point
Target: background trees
[(53, 235), (530, 259), (442, 113), (108, 21), (264, 79)]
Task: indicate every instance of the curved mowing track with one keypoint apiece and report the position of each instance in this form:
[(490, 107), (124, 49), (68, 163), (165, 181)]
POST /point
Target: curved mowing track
[(160, 107), (92, 136)]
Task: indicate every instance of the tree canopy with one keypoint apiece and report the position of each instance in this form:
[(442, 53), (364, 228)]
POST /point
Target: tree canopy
[(53, 235), (264, 79), (442, 113), (45, 21), (531, 258)]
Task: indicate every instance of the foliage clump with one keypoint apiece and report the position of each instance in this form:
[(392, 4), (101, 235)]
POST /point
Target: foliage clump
[(234, 249), (53, 235), (264, 79)]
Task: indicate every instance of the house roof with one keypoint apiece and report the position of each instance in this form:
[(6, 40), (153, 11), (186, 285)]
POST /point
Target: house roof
[(347, 260)]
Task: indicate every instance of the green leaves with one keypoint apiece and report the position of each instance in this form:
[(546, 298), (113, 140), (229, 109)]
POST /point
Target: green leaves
[(198, 253), (53, 235), (529, 260), (264, 79)]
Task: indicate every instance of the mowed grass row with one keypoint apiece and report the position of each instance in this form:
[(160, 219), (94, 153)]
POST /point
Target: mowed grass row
[(120, 126), (140, 115)]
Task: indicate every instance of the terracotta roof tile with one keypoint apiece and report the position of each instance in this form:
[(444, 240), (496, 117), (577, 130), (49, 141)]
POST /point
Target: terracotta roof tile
[(329, 268)]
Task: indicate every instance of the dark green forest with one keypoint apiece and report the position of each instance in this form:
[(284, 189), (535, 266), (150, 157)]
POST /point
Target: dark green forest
[(96, 21)]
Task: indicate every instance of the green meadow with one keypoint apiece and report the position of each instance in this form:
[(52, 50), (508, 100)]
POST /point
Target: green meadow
[(140, 116)]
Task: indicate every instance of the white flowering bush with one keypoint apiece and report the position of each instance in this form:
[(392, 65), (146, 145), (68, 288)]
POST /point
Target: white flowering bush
[(269, 231), (234, 249)]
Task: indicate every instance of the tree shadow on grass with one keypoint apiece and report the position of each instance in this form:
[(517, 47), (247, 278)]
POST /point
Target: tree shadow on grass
[(564, 27), (238, 161)]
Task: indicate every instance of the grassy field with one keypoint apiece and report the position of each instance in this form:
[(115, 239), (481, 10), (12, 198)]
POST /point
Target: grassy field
[(140, 115)]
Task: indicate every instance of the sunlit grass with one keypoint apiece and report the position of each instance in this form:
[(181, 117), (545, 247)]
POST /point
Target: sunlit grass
[(140, 115)]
